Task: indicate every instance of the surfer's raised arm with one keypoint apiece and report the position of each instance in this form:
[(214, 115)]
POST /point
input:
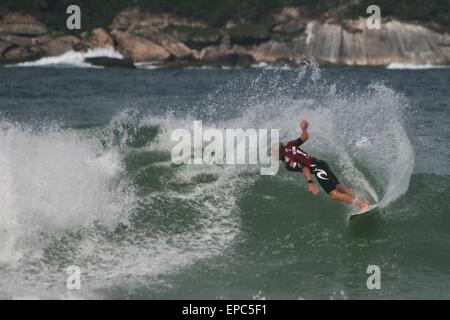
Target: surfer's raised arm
[(304, 127)]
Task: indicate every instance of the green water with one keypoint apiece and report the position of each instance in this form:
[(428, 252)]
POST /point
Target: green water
[(87, 180)]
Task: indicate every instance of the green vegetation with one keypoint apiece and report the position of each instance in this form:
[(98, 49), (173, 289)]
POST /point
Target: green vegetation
[(246, 33), (100, 13)]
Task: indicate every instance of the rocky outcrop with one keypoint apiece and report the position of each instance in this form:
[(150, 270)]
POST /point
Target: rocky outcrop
[(132, 26), (20, 38), (23, 38), (272, 51), (61, 45), (20, 54), (290, 38), (24, 41), (221, 55), (172, 41), (139, 49), (22, 25), (4, 46), (395, 42), (97, 38)]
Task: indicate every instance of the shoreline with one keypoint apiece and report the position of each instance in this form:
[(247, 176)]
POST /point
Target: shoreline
[(172, 42)]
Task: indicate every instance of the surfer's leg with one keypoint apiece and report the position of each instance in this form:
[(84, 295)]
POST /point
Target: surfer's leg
[(340, 196), (345, 189), (349, 199)]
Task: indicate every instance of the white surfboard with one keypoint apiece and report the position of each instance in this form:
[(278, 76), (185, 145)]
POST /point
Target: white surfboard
[(369, 211)]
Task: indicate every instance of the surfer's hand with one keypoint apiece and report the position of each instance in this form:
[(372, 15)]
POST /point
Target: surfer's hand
[(313, 189), (304, 125)]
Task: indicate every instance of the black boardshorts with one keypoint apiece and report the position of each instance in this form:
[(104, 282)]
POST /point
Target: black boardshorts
[(326, 178)]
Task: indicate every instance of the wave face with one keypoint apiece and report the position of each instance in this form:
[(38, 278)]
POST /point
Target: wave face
[(358, 129), (108, 198), (73, 58)]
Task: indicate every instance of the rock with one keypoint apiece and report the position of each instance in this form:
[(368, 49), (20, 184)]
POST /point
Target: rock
[(133, 24), (139, 49), (20, 54), (22, 25), (230, 24), (98, 38), (61, 45), (220, 55), (395, 42), (134, 20), (196, 54), (4, 46), (178, 49), (108, 62), (272, 51), (24, 41), (196, 37)]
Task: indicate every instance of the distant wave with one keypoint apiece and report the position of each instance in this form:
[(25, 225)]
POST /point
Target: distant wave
[(147, 65), (409, 66), (264, 65), (74, 58)]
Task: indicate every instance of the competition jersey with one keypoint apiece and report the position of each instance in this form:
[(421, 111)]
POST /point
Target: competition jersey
[(295, 158)]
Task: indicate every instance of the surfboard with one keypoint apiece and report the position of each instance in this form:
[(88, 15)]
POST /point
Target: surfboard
[(369, 211)]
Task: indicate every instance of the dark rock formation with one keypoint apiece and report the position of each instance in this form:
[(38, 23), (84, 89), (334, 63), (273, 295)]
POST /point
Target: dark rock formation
[(19, 54), (220, 55), (111, 62)]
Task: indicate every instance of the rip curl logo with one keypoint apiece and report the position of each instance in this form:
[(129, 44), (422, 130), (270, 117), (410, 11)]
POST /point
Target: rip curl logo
[(226, 146), (321, 174)]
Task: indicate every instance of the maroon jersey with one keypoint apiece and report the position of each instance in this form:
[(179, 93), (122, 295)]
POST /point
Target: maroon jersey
[(295, 158)]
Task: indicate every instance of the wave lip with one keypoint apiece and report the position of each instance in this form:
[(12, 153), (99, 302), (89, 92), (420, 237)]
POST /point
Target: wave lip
[(75, 59)]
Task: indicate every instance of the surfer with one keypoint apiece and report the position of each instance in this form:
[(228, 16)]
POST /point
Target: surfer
[(297, 160)]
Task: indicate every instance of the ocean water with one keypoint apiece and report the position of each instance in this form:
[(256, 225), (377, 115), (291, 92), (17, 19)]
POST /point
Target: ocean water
[(86, 180)]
